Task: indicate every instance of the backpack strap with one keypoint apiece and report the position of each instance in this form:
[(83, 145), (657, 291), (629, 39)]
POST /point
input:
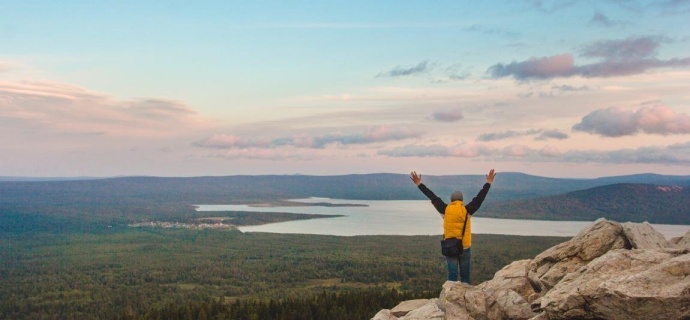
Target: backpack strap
[(467, 214)]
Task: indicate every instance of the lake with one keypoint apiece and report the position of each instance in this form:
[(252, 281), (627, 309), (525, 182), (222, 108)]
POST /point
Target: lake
[(405, 217)]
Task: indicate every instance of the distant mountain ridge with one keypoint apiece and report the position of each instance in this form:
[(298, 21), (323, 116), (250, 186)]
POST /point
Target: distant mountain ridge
[(380, 186), (622, 202), (117, 201)]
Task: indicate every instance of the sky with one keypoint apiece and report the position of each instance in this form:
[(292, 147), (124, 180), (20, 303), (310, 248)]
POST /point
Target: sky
[(575, 89)]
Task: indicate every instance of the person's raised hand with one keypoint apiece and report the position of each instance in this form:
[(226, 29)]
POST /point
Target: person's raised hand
[(417, 179), (490, 177)]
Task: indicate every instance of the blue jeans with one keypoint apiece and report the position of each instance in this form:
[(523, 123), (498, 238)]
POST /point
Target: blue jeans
[(462, 263)]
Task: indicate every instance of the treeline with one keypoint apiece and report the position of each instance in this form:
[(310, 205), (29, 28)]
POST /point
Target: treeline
[(136, 191), (360, 304), (144, 271), (93, 205)]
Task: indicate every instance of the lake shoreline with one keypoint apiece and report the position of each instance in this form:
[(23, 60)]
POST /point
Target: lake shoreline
[(404, 217)]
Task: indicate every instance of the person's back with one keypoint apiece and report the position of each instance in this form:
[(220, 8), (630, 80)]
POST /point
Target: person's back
[(457, 222)]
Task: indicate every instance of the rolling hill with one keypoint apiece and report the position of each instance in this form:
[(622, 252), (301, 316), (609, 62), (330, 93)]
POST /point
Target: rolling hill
[(620, 202), (92, 203)]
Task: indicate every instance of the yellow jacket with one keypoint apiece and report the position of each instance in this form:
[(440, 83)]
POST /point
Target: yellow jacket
[(453, 222)]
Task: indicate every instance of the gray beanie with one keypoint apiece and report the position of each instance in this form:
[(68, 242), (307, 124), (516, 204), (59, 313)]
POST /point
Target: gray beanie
[(456, 195)]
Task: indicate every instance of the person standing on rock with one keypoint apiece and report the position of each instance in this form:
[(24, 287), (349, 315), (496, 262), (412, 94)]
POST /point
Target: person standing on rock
[(454, 217)]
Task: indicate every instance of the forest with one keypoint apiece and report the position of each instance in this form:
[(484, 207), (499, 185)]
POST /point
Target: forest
[(148, 273), (68, 251)]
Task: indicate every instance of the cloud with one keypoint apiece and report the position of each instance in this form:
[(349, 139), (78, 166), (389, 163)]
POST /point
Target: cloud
[(617, 122), (549, 152), (676, 154), (261, 154), (373, 134), (599, 19), (470, 150), (158, 109), (417, 151), (551, 134), (494, 136), (433, 71), (448, 116), (680, 146), (567, 88), (617, 58), (516, 150), (33, 90), (401, 71), (621, 50), (642, 155), (541, 135), (536, 68), (225, 141), (64, 108), (492, 31)]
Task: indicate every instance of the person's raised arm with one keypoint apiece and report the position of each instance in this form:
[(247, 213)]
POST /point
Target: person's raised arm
[(477, 201), (435, 200)]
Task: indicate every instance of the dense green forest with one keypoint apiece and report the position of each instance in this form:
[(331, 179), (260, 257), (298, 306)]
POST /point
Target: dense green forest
[(67, 251), (135, 273)]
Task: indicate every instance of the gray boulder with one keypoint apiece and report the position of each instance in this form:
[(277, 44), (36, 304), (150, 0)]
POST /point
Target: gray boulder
[(549, 267), (625, 284), (512, 277), (684, 242), (428, 311), (644, 236), (405, 307), (607, 271), (419, 309), (463, 301), (384, 314)]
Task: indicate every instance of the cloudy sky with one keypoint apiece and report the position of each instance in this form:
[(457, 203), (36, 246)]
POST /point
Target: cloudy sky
[(187, 88)]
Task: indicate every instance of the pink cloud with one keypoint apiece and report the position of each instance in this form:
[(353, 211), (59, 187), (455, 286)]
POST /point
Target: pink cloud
[(471, 150), (676, 154), (262, 154), (550, 151), (372, 134), (536, 68), (516, 151), (618, 58), (617, 122), (225, 141), (448, 116), (158, 109), (540, 134), (59, 107), (417, 151)]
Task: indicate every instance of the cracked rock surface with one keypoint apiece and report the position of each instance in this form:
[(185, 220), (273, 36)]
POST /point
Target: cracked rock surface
[(607, 271)]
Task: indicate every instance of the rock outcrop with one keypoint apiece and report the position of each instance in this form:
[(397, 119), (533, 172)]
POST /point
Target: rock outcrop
[(608, 271)]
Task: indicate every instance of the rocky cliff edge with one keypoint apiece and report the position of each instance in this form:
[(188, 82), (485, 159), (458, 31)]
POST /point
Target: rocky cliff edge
[(607, 271)]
